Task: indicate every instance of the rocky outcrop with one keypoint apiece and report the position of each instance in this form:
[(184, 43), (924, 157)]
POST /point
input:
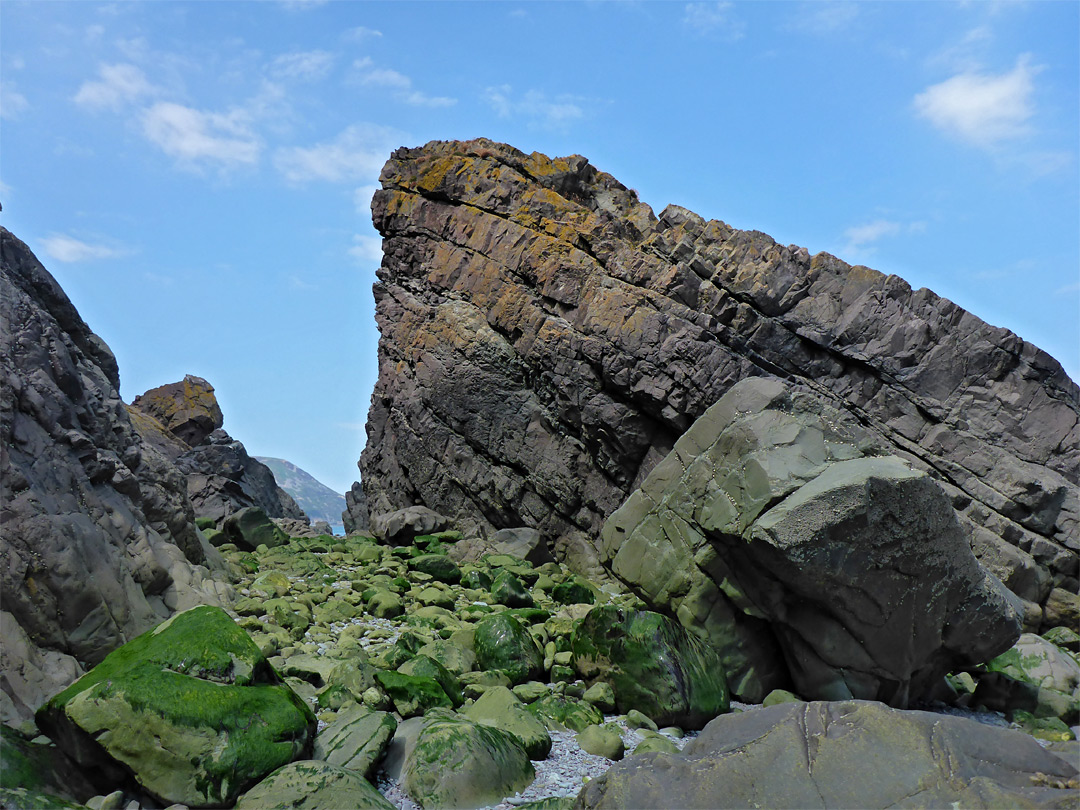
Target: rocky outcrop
[(546, 339), (318, 501), (355, 518), (845, 754), (183, 420), (99, 539)]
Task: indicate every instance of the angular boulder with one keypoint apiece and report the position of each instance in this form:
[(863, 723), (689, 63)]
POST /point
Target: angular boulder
[(456, 763), (502, 642), (187, 409), (250, 528), (357, 739), (402, 526), (314, 785), (546, 338), (99, 539), (191, 710), (845, 754), (653, 664), (499, 707), (771, 527)]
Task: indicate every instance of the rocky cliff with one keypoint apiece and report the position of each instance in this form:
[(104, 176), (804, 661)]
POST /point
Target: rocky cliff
[(546, 339), (183, 420), (99, 540), (318, 501)]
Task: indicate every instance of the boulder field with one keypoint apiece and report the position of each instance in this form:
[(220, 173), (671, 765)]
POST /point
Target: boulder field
[(546, 339)]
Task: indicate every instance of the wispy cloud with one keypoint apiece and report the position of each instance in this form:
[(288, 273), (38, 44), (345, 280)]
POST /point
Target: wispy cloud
[(117, 86), (535, 106), (197, 138), (824, 17), (714, 18), (360, 33), (980, 108), (362, 199), (304, 66), (1068, 289), (861, 239), (965, 54), (402, 86), (366, 249), (68, 249), (302, 5), (358, 153), (12, 102)]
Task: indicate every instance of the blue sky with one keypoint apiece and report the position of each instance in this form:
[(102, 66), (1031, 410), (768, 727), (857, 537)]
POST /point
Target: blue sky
[(197, 175)]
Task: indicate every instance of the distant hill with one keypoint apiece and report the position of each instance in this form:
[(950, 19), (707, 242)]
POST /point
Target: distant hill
[(318, 500)]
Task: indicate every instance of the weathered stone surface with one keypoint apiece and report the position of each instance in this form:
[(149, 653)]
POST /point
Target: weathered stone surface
[(653, 664), (499, 707), (313, 785), (402, 526), (99, 540), (847, 754), (187, 409), (249, 528), (502, 642), (191, 709), (357, 739), (768, 509), (546, 339), (602, 741), (355, 518)]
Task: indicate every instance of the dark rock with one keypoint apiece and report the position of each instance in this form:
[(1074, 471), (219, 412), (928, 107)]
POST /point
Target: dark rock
[(546, 339), (250, 528), (768, 508), (653, 664), (99, 539), (847, 754), (510, 591), (401, 527), (502, 642), (187, 409), (355, 517)]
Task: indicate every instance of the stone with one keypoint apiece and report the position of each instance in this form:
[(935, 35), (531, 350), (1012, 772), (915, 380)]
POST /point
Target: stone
[(1040, 663), (400, 527), (39, 770), (601, 695), (502, 642), (438, 566), (652, 664), (574, 591), (1062, 609), (83, 492), (561, 712), (1063, 637), (457, 659), (635, 719), (357, 739), (547, 337), (187, 409), (656, 744), (602, 741), (385, 604), (426, 667), (508, 590), (412, 694), (457, 763), (174, 709), (251, 527), (842, 754), (500, 708), (313, 785), (807, 561), (780, 696), (355, 518)]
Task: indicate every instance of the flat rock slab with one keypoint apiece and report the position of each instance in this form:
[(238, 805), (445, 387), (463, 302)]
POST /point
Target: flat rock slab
[(850, 754)]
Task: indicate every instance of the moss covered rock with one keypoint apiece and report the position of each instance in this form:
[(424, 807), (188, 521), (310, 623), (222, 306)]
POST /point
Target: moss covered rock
[(502, 642), (653, 664), (413, 694), (313, 785), (461, 764), (191, 709), (38, 773), (560, 712), (499, 707), (430, 668), (510, 591), (602, 741), (250, 528), (438, 567), (357, 739)]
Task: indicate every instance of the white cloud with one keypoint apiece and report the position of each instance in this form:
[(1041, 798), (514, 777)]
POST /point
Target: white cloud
[(362, 199), (302, 5), (824, 17), (1068, 289), (360, 33), (366, 249), (964, 55), (195, 137), (861, 239), (708, 18), (12, 102), (401, 84), (69, 249), (118, 85), (305, 66), (535, 106), (979, 108), (358, 153)]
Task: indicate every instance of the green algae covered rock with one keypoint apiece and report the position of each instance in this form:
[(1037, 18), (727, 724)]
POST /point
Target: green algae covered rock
[(430, 668), (250, 528), (574, 591), (499, 707), (656, 744), (191, 708), (1039, 662), (357, 739), (412, 694), (510, 591), (438, 567), (559, 712), (502, 642), (38, 775), (653, 665), (313, 785), (602, 741), (456, 763)]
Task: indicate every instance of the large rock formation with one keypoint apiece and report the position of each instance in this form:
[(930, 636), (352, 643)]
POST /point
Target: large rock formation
[(99, 540), (183, 420), (546, 339)]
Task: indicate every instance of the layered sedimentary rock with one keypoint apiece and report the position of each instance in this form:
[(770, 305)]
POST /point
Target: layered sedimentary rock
[(777, 530), (546, 339), (183, 420), (99, 539)]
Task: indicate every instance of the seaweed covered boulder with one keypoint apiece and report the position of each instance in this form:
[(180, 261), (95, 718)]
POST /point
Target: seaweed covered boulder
[(314, 785), (653, 665), (502, 642), (191, 710), (461, 764)]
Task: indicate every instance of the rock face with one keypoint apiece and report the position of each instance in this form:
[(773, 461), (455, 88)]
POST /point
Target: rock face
[(184, 420), (846, 754), (355, 517), (767, 508), (546, 339), (318, 501), (99, 539)]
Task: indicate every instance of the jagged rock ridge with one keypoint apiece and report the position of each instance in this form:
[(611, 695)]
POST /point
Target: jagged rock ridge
[(318, 501), (546, 339), (99, 541)]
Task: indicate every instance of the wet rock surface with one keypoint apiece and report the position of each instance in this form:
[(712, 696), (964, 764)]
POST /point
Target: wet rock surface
[(546, 338)]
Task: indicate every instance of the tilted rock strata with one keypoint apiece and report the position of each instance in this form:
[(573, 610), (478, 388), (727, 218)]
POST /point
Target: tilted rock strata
[(99, 541), (546, 339)]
